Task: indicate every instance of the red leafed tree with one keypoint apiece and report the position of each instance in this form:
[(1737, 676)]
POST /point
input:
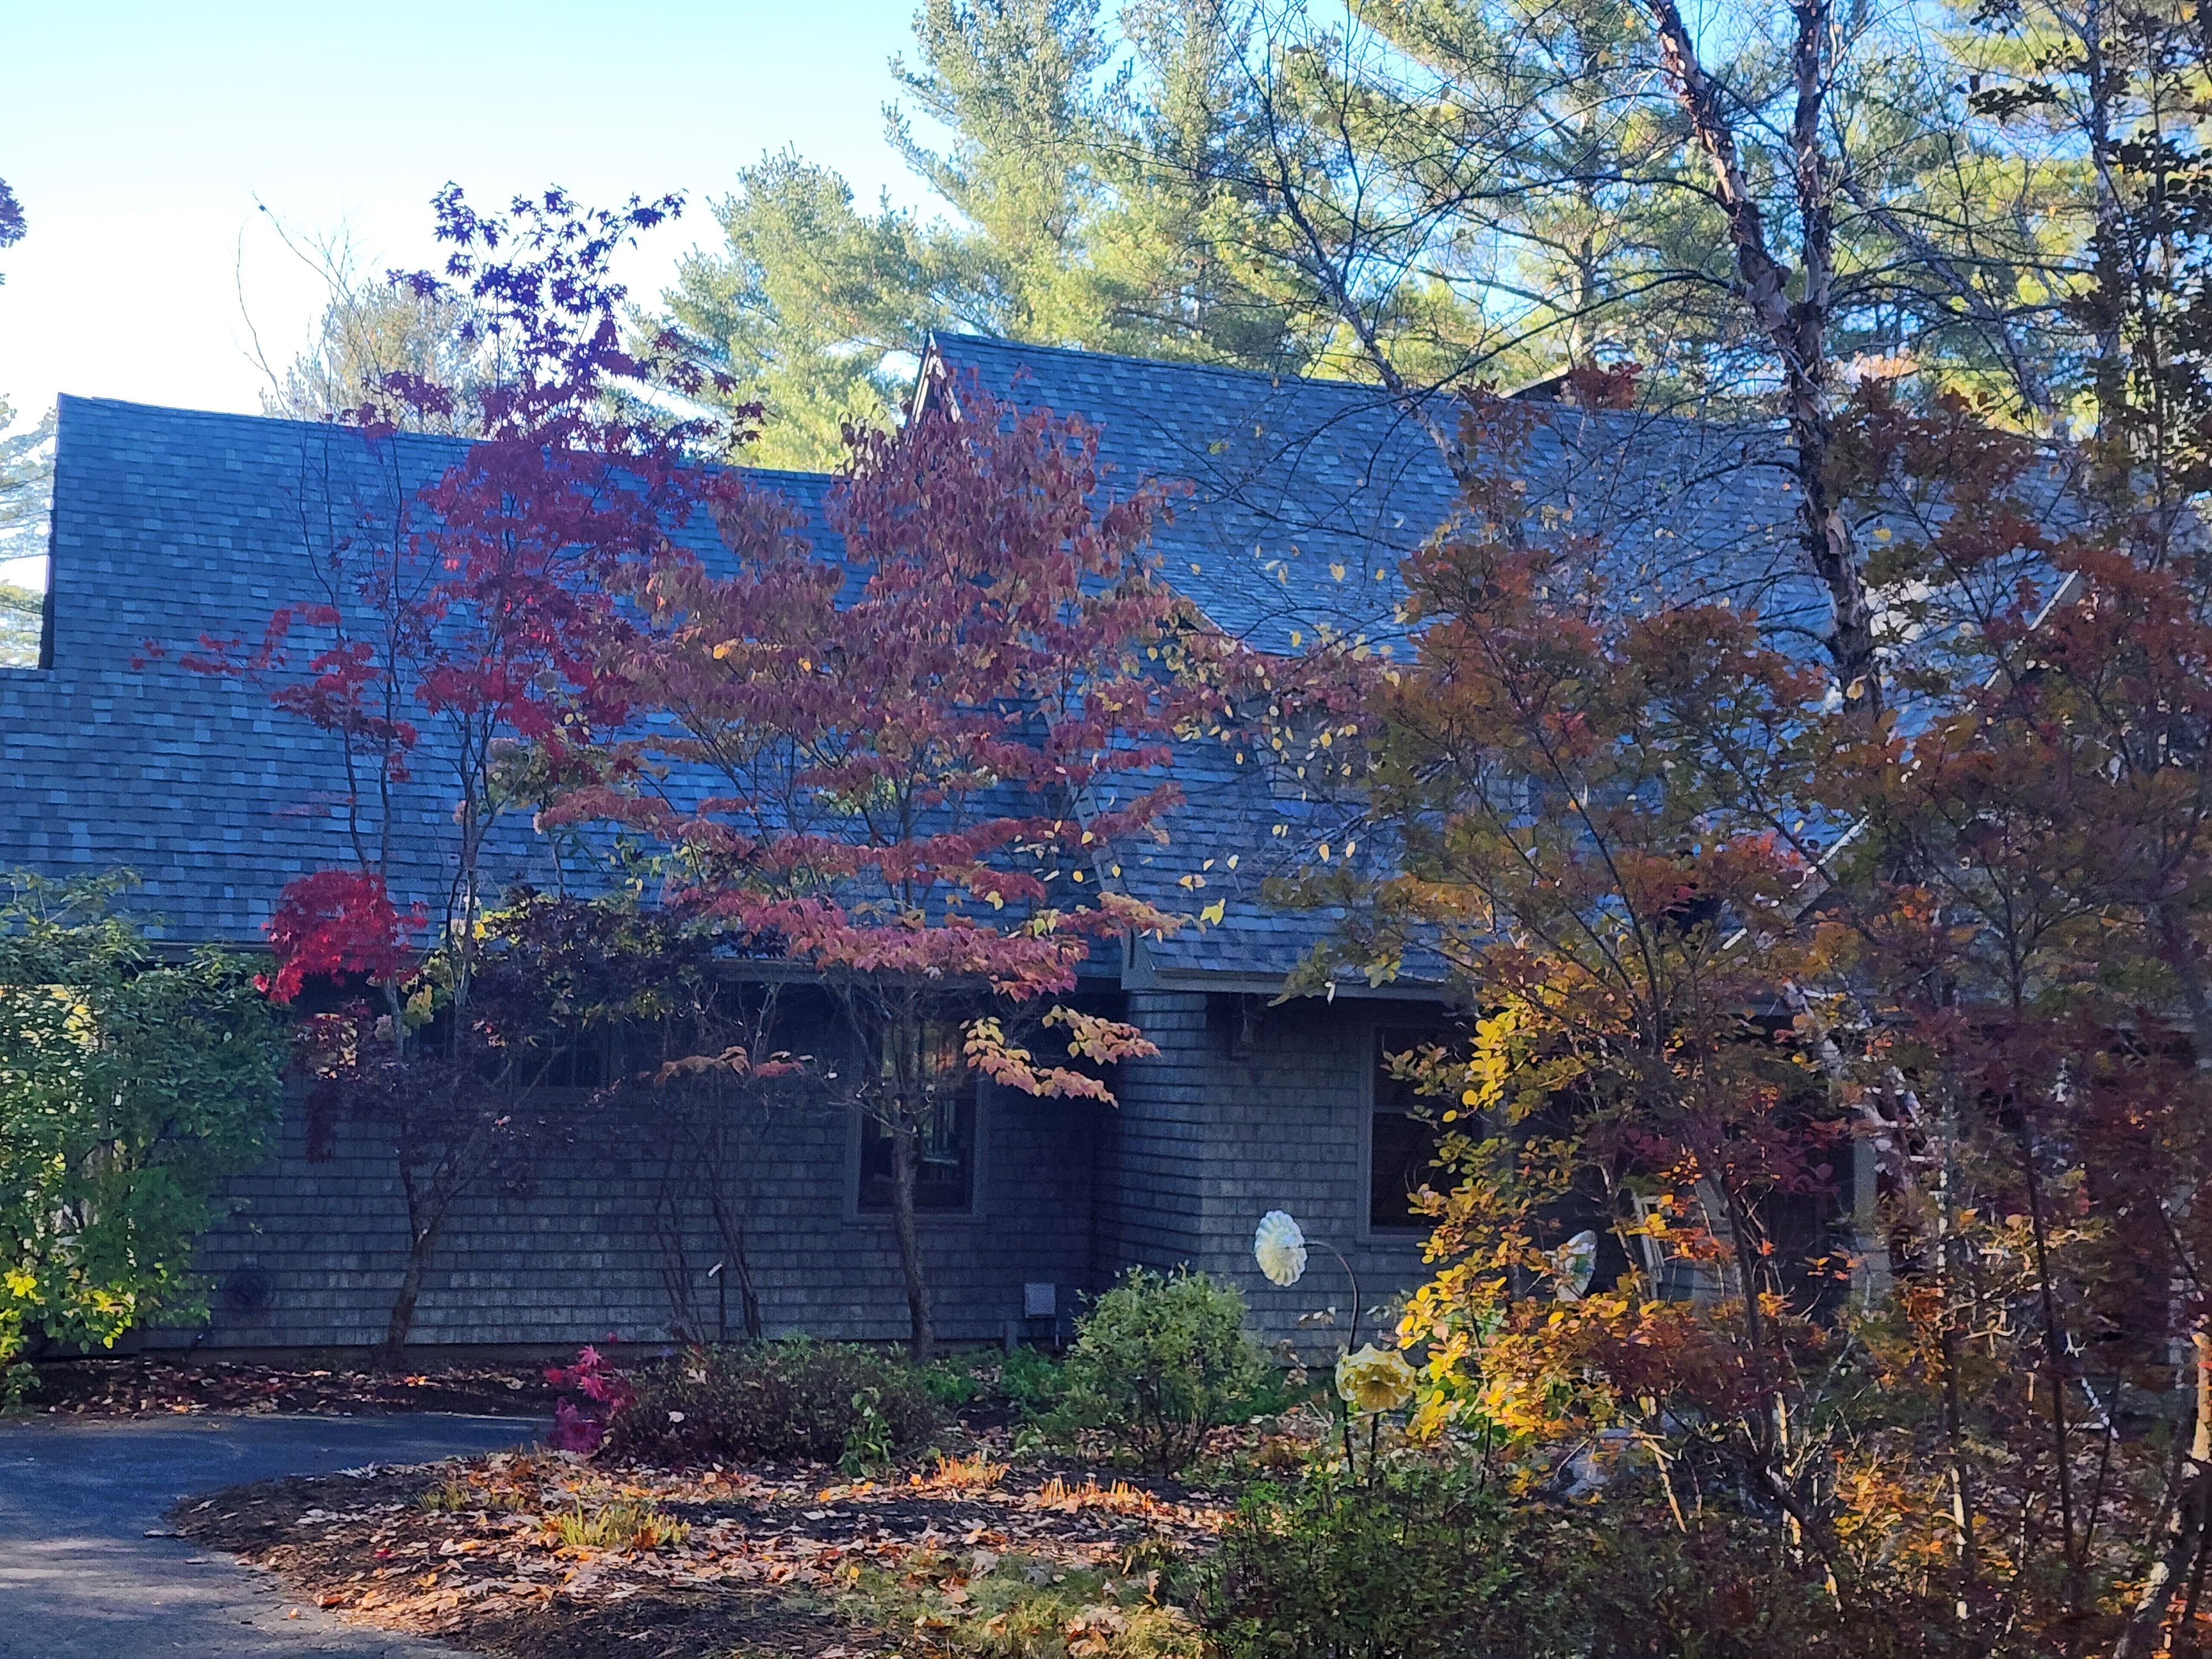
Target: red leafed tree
[(451, 649), (1733, 952), (907, 768)]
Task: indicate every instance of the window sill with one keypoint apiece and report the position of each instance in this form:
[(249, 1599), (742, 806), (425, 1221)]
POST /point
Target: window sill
[(922, 1218)]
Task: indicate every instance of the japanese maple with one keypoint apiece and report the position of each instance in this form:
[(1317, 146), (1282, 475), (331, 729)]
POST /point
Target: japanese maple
[(449, 645), (1721, 940), (904, 760)]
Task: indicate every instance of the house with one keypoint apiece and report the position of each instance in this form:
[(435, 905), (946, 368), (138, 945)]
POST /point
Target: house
[(1305, 495)]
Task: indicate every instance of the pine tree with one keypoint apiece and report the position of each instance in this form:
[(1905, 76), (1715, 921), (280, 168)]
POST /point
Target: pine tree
[(1094, 183)]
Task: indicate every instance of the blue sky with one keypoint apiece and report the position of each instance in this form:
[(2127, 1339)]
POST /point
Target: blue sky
[(139, 136)]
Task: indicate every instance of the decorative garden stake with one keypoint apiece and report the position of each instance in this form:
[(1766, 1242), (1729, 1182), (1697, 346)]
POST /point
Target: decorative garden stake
[(1578, 1260), (1374, 1380), (1280, 1248), (1278, 1244), (1371, 1382)]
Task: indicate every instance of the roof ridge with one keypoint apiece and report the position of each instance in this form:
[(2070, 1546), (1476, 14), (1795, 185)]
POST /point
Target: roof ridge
[(1278, 381), (175, 412), (270, 422)]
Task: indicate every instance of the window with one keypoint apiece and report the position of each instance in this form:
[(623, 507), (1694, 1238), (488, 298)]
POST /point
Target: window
[(1402, 1139), (946, 1177), (585, 1061)]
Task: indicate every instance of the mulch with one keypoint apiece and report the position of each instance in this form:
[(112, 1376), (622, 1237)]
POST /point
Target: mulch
[(770, 1552), (147, 1387)]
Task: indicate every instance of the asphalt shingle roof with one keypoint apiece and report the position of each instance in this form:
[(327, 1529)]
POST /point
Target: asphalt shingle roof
[(1305, 497), (170, 524)]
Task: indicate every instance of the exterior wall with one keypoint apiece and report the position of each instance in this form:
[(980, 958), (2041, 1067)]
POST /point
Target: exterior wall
[(1148, 1207), (1250, 1108), (576, 1247), (1247, 1109)]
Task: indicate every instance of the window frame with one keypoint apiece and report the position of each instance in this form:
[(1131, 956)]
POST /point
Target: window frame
[(1415, 1233), (856, 1130)]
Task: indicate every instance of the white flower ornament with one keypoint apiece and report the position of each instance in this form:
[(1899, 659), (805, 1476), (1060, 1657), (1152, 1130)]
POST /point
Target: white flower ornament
[(1279, 1247), (1577, 1262)]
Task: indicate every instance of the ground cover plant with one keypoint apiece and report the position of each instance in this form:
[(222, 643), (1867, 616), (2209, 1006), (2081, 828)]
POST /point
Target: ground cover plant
[(806, 1497), (557, 1557), (800, 1496)]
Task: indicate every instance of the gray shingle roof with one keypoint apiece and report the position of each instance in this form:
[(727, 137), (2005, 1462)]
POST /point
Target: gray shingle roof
[(1305, 497), (170, 524), (1306, 494)]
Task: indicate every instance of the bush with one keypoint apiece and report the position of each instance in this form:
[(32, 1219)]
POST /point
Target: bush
[(605, 1391), (1405, 1568), (957, 1380), (794, 1399), (1016, 1607), (1159, 1362), (1031, 1383), (1420, 1564), (131, 1088)]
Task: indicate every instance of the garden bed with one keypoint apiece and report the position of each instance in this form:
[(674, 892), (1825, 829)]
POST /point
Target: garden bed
[(146, 1387), (559, 1558)]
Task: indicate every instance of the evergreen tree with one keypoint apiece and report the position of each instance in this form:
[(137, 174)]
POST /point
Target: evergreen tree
[(11, 218), (26, 474), (1094, 184), (810, 307)]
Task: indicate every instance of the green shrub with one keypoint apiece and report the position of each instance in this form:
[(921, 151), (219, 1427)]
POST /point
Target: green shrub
[(1030, 1382), (132, 1090), (1419, 1564), (1405, 1568), (1020, 1608), (957, 1380), (793, 1399), (1159, 1362), (1628, 1584)]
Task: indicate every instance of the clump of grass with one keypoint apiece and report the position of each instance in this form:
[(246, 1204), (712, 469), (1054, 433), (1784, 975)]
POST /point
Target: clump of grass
[(974, 1474), (1020, 1608), (1121, 1498), (458, 1494), (618, 1526), (449, 1496)]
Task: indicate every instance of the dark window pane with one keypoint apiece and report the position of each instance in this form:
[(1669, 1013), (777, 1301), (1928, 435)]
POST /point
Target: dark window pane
[(945, 1177), (582, 1060), (1404, 1158), (947, 1150), (1402, 1147)]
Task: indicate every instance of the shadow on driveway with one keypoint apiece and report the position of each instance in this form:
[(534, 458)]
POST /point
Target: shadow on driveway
[(79, 1578)]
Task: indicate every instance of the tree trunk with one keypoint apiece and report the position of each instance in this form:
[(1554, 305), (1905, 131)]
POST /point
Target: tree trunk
[(2184, 1532), (421, 1241), (1796, 329), (735, 1261), (922, 1338)]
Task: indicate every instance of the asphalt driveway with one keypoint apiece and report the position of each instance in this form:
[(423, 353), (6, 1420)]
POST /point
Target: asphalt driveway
[(80, 1579)]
